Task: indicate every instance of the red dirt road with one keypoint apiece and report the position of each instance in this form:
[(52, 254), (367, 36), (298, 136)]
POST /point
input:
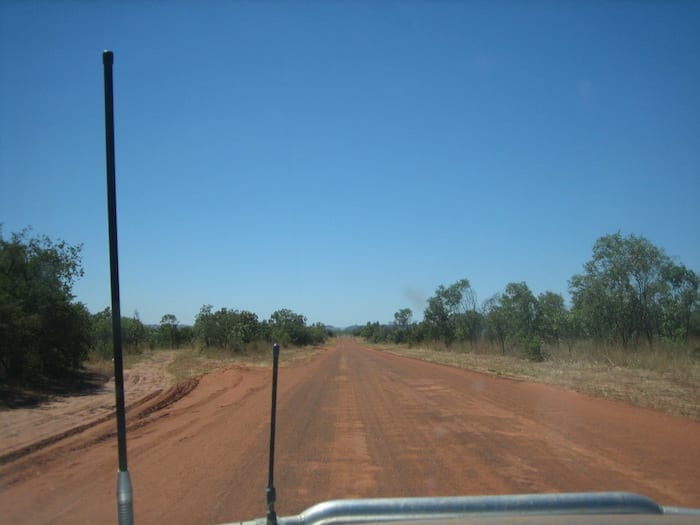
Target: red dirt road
[(352, 422)]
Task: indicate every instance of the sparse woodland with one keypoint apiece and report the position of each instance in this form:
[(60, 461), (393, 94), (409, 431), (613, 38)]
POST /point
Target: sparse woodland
[(630, 295)]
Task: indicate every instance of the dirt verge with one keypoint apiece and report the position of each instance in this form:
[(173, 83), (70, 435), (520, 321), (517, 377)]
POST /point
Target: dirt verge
[(23, 430), (640, 387)]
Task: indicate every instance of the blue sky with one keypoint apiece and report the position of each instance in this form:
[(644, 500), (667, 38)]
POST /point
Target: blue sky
[(343, 159)]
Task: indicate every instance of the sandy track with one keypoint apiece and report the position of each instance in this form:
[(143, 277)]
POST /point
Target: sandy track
[(353, 422), (24, 429)]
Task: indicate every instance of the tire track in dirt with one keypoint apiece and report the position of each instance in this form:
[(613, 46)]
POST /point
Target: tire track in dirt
[(38, 445), (139, 414), (26, 429)]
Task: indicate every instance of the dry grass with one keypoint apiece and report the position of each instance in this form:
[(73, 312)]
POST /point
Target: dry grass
[(184, 363), (191, 362), (662, 379), (103, 365)]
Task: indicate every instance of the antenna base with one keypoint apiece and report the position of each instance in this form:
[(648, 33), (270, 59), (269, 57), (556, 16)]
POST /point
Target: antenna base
[(271, 495), (125, 511)]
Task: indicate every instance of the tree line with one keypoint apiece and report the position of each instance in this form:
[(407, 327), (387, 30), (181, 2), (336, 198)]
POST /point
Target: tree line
[(629, 293), (234, 329), (226, 329), (137, 336), (43, 329)]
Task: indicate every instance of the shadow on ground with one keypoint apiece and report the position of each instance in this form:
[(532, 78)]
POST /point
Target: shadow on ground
[(38, 389)]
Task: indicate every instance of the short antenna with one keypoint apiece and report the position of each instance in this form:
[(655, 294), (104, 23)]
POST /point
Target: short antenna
[(125, 513), (270, 491)]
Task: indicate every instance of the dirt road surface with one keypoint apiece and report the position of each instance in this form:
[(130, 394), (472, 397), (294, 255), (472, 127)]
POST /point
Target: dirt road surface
[(352, 422)]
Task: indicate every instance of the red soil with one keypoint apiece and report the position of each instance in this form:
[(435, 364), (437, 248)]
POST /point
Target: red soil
[(351, 423)]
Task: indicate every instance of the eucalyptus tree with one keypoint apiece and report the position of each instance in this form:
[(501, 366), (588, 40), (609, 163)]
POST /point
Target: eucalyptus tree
[(631, 289), (402, 322), (521, 309), (552, 317), (496, 320), (448, 315), (169, 330)]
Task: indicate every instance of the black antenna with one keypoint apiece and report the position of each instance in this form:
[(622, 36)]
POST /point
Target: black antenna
[(125, 511), (270, 491)]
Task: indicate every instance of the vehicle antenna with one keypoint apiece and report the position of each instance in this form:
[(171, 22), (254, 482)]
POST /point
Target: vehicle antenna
[(270, 491), (125, 511)]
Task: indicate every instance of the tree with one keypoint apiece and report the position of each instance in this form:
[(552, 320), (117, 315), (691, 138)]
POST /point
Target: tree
[(205, 327), (627, 289), (246, 326), (443, 308), (468, 326), (289, 327), (133, 332), (169, 330), (552, 317), (678, 301), (374, 332), (521, 310), (185, 334), (496, 321), (101, 332), (571, 329), (226, 328), (41, 328), (437, 318), (319, 333), (402, 320)]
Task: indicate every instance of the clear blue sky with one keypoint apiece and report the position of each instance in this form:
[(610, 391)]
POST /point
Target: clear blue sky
[(343, 159)]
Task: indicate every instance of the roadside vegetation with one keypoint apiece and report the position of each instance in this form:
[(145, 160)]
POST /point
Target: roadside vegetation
[(46, 335), (631, 295), (632, 330)]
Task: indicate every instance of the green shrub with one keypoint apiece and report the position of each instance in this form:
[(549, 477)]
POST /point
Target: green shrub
[(534, 352)]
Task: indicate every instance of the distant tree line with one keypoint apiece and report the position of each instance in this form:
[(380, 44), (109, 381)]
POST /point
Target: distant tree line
[(44, 330), (136, 336), (630, 292), (234, 329), (225, 328)]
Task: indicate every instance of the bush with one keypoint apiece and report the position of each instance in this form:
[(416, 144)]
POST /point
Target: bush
[(533, 351)]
